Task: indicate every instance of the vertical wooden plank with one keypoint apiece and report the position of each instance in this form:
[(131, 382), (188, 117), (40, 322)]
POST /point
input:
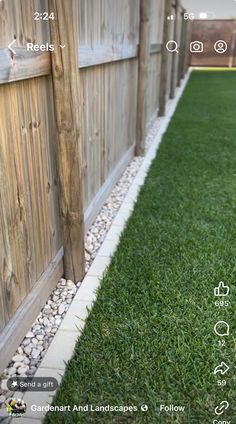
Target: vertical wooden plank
[(67, 106), (174, 55), (182, 48), (185, 46), (143, 66), (15, 275), (189, 28), (164, 59), (5, 254), (232, 49)]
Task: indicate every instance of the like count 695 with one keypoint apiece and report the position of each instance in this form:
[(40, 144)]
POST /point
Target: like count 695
[(222, 292)]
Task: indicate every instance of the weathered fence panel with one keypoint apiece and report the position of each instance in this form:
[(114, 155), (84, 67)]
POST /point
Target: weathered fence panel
[(111, 31), (156, 38), (170, 56), (174, 63), (165, 59), (31, 254), (143, 68), (110, 104), (29, 190)]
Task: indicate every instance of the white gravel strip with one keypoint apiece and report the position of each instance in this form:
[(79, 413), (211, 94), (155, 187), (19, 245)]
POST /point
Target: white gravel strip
[(33, 348), (36, 342)]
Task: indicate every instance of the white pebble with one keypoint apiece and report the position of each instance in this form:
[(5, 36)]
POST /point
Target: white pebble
[(40, 337), (29, 335), (23, 369), (27, 350), (11, 371), (61, 309), (18, 358), (20, 350), (35, 353), (18, 364)]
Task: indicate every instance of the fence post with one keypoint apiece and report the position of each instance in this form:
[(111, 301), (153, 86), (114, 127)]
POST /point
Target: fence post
[(174, 55), (164, 59), (185, 47), (182, 48), (187, 50), (65, 75), (143, 67)]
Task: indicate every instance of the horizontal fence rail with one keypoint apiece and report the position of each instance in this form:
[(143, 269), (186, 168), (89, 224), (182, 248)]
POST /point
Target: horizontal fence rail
[(27, 64), (99, 54), (23, 65)]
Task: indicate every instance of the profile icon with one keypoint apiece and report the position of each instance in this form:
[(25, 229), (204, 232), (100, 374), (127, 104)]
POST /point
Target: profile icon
[(221, 46), (16, 407)]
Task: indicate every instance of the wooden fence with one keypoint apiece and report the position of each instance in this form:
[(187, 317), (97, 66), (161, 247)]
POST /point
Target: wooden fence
[(209, 32), (70, 122)]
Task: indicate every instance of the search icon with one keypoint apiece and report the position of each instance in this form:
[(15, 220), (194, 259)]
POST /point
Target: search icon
[(172, 46)]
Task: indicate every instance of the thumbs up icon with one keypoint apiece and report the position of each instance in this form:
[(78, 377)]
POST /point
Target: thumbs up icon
[(221, 290)]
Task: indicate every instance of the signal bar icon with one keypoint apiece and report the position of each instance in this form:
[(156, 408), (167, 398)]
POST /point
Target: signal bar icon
[(171, 17)]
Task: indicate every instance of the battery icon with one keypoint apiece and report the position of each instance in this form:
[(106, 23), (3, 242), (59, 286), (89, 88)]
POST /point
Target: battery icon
[(207, 15)]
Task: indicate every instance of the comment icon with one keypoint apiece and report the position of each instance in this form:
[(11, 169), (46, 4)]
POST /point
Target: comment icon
[(221, 328)]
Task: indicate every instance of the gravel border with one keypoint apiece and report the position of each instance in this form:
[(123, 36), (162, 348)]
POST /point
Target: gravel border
[(34, 346)]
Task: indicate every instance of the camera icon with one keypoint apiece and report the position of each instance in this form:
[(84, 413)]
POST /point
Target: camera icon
[(196, 47)]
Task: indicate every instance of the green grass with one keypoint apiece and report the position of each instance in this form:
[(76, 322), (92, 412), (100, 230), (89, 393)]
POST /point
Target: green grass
[(150, 335)]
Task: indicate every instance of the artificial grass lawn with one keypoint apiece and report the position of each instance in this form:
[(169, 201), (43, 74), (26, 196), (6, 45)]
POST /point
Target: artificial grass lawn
[(150, 335)]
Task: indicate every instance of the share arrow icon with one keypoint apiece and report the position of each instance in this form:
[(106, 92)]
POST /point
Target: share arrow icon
[(222, 369)]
